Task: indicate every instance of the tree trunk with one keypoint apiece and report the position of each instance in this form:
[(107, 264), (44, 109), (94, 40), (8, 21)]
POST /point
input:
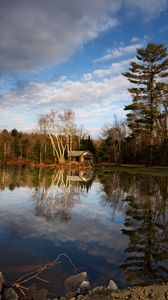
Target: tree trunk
[(61, 160)]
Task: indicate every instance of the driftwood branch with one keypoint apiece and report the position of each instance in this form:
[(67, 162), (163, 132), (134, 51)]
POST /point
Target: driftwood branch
[(35, 274)]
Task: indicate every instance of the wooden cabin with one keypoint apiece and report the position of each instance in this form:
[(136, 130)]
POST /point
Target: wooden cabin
[(82, 157)]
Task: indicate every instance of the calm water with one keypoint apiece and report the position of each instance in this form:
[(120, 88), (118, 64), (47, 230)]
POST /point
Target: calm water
[(112, 225)]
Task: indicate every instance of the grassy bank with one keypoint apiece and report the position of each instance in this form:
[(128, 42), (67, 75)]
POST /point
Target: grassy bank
[(133, 169)]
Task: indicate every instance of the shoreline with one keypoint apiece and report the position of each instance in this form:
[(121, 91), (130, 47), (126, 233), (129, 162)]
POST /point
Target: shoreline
[(153, 291), (77, 287), (79, 165), (111, 292)]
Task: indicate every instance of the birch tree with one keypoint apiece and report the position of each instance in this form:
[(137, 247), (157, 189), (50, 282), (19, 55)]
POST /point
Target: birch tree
[(60, 129)]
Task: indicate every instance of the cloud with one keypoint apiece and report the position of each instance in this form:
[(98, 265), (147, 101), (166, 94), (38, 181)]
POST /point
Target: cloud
[(65, 94), (102, 91), (119, 52), (149, 8), (39, 33), (17, 117), (114, 69)]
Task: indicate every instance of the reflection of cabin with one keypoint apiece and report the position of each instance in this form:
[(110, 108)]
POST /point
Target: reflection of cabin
[(80, 175), (84, 157)]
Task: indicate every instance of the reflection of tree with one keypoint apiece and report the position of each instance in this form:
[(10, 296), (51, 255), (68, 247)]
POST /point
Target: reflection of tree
[(57, 198), (113, 191), (146, 226), (13, 177), (56, 191)]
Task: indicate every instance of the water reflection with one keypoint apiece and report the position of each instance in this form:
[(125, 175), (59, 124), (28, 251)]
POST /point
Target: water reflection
[(34, 220), (144, 200), (146, 225), (56, 198), (114, 225), (113, 192)]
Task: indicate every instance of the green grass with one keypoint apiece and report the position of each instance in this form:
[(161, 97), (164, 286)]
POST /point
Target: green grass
[(154, 171)]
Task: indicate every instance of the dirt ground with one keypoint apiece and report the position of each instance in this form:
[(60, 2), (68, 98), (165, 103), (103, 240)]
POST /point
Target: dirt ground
[(154, 292)]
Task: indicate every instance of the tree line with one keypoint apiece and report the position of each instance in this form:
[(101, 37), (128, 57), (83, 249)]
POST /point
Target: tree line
[(140, 139), (40, 147)]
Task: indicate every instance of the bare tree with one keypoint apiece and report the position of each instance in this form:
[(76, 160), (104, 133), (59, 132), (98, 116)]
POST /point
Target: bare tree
[(60, 129), (113, 135)]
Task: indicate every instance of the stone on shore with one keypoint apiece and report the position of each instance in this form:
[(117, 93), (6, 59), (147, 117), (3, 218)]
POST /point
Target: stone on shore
[(112, 286), (84, 287), (10, 294), (72, 283)]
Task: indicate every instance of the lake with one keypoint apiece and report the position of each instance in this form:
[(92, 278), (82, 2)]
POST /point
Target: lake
[(113, 224)]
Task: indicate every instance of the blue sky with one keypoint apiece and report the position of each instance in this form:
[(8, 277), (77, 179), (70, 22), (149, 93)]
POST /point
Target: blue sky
[(70, 54)]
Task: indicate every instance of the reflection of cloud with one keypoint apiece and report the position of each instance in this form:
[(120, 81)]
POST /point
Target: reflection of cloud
[(82, 231), (94, 232)]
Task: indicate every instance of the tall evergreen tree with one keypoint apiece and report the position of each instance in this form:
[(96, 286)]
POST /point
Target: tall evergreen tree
[(149, 92)]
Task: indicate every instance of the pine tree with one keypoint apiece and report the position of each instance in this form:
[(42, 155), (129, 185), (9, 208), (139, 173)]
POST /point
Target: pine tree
[(149, 92)]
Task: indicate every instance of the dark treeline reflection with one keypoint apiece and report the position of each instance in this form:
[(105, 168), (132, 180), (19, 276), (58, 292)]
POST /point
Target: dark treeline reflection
[(144, 200), (146, 225)]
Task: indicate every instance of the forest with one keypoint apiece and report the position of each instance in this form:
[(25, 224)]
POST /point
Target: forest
[(142, 138)]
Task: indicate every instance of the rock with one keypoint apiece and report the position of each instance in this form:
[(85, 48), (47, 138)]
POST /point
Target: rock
[(10, 294), (97, 289), (72, 283), (84, 287), (112, 286), (80, 297), (69, 295)]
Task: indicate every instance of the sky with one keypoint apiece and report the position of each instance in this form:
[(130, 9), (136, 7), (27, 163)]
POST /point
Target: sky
[(70, 54)]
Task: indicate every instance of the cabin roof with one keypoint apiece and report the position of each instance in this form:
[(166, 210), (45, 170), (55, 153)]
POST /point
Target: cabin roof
[(79, 153)]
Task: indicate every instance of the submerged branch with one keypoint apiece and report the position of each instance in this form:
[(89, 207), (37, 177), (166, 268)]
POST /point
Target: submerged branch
[(35, 274)]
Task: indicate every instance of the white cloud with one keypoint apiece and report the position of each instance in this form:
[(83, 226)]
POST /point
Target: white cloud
[(114, 69), (87, 76), (135, 39), (17, 117), (68, 92), (38, 33), (119, 52), (94, 97)]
